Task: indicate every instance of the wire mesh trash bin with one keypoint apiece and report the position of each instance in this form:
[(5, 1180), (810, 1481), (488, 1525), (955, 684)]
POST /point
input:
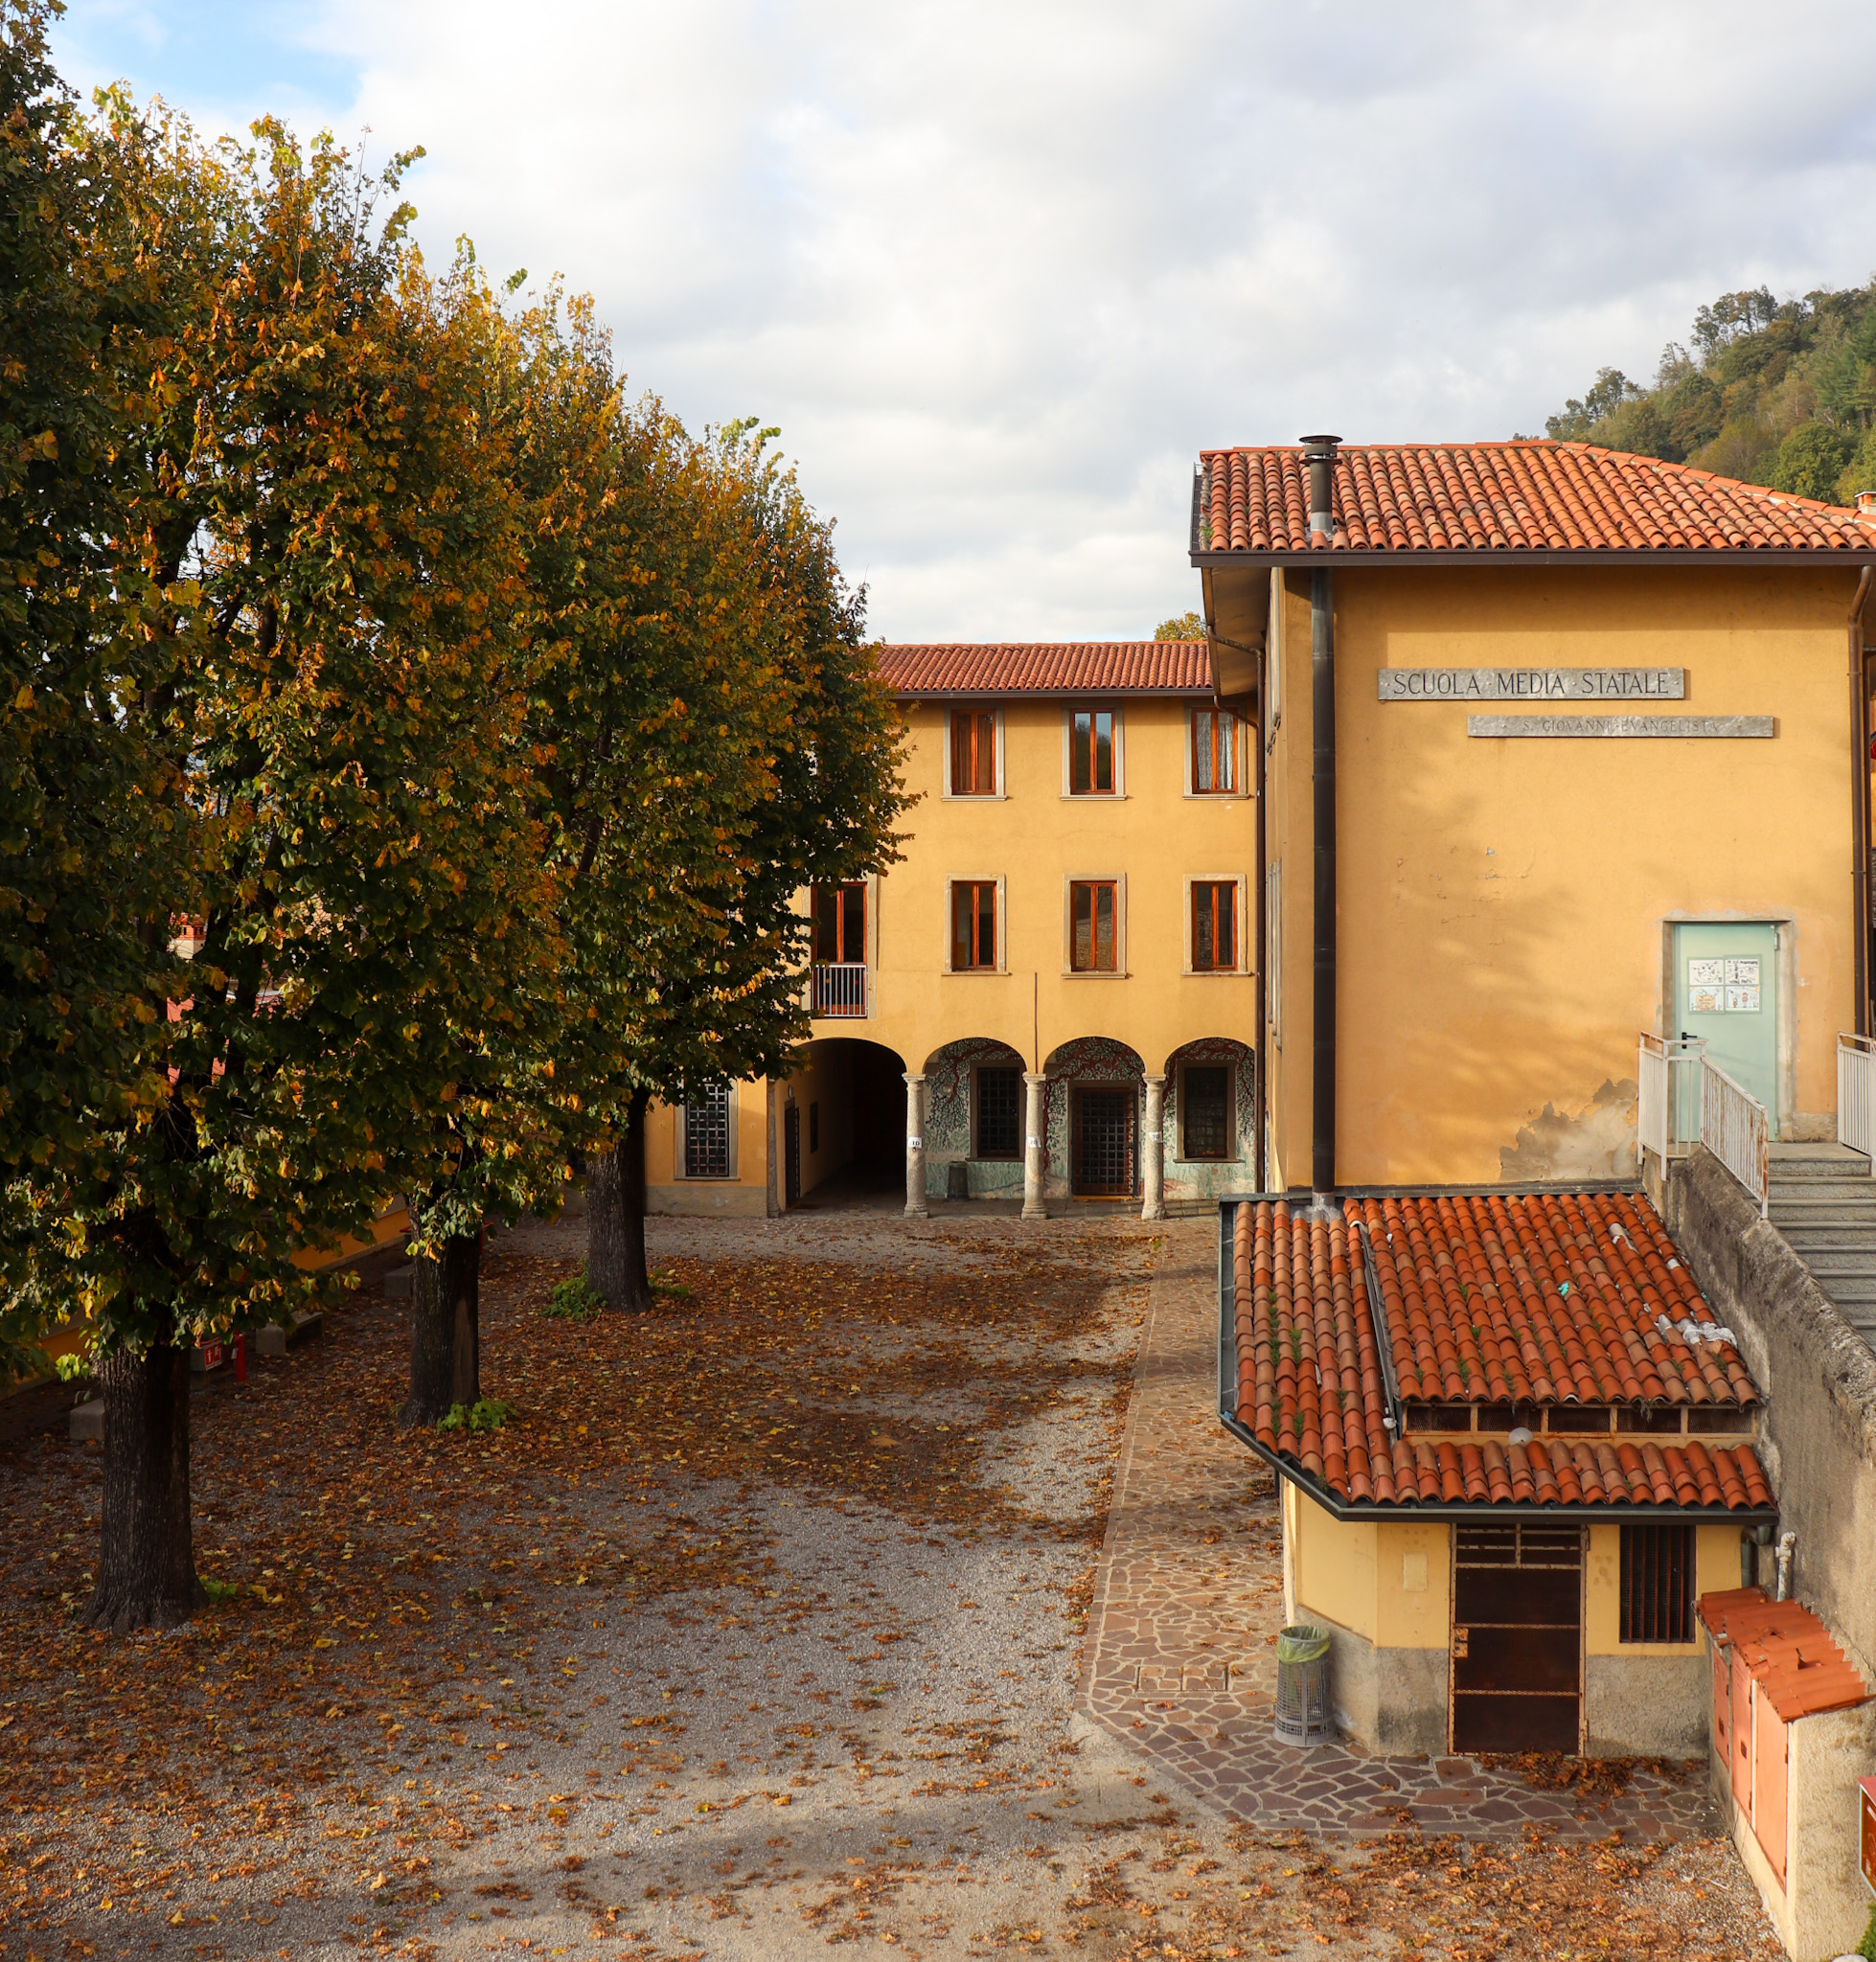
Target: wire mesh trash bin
[(1302, 1712)]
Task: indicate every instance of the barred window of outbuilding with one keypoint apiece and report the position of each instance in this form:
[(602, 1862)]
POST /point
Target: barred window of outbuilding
[(1657, 1584)]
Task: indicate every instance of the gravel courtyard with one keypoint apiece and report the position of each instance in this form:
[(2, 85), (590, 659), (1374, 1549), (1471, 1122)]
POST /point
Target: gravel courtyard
[(758, 1627)]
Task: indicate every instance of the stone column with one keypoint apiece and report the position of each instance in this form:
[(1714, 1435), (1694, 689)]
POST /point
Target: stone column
[(1035, 1146), (1152, 1165), (915, 1205)]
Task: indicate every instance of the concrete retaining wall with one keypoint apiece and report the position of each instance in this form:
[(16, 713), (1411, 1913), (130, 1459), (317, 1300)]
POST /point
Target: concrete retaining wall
[(1818, 1378)]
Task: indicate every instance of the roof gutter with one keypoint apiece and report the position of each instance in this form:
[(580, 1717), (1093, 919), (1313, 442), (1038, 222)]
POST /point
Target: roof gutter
[(1410, 560), (1485, 1511)]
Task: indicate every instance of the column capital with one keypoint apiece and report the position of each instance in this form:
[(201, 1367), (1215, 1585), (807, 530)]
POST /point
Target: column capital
[(1153, 1079), (1035, 1076), (914, 1076)]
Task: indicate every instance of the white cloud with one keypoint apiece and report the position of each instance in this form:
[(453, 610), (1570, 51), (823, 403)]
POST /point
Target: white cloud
[(998, 270)]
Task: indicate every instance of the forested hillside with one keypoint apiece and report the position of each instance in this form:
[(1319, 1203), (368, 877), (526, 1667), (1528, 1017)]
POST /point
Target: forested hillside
[(1781, 393)]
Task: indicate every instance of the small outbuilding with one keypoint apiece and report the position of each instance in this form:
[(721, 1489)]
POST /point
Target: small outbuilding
[(1517, 1447)]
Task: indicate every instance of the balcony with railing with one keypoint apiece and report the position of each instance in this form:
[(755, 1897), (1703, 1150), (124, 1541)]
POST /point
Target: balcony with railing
[(840, 987)]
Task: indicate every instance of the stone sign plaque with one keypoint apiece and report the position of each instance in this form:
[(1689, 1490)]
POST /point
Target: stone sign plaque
[(1532, 684), (1621, 725)]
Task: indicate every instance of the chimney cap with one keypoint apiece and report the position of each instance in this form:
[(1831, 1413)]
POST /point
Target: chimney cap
[(1867, 503), (1320, 445)]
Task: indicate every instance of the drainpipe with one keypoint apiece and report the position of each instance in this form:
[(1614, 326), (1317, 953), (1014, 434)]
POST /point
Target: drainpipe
[(1859, 804), (1319, 455)]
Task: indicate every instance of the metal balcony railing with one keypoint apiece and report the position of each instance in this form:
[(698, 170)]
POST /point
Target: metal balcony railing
[(840, 987)]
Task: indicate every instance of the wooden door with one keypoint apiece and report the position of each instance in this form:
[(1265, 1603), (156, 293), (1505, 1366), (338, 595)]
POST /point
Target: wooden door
[(791, 1154), (1103, 1127), (1517, 1638)]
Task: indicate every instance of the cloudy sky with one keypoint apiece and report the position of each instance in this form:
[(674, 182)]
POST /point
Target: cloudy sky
[(999, 270)]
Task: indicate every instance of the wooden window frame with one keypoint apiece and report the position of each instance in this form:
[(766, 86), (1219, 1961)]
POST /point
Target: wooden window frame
[(1230, 750), (995, 717), (1116, 752), (1656, 1560), (1238, 951), (998, 964), (842, 958), (1070, 885)]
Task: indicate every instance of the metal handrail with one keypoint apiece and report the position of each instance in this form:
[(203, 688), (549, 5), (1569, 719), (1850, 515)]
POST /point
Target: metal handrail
[(1856, 1093), (1735, 1126)]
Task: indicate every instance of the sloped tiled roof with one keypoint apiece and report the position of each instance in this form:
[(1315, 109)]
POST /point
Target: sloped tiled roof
[(1078, 667), (1790, 1652), (1312, 1389), (1506, 497), (1545, 1298)]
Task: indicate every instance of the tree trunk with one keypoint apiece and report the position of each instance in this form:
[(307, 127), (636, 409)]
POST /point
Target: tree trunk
[(445, 1335), (146, 1555), (615, 1219)]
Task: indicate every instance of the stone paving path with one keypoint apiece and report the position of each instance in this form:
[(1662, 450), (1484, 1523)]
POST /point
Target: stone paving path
[(1188, 1601)]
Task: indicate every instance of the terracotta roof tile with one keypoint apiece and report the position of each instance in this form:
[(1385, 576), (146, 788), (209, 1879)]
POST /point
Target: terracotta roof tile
[(1799, 1668), (1523, 1291), (1096, 667), (1527, 496)]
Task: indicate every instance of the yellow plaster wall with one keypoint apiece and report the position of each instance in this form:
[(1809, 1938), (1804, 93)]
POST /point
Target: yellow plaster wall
[(1413, 1584), (1035, 838), (1501, 899), (1716, 1567), (1336, 1564), (671, 1192)]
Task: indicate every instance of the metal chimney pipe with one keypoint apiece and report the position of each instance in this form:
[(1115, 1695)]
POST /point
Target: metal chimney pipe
[(1320, 458)]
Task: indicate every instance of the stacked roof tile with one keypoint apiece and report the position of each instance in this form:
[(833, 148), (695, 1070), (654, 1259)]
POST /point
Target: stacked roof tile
[(1545, 1302), (1799, 1668), (1525, 496), (1100, 667)]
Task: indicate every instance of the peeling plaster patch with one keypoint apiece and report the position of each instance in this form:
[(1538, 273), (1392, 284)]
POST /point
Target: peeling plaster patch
[(1598, 1142)]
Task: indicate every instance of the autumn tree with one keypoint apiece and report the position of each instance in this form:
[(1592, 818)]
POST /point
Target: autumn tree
[(708, 983), (333, 540)]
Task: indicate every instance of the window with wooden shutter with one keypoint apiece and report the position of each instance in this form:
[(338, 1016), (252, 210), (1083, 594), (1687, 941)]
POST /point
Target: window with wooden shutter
[(1092, 752), (1214, 926), (1214, 752), (1093, 915), (974, 753), (974, 924)]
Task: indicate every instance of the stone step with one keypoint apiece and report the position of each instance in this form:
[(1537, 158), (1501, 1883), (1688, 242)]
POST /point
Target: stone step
[(1822, 1189), (1830, 1268), (1824, 1212), (1850, 1290), (1817, 1152), (1816, 1242)]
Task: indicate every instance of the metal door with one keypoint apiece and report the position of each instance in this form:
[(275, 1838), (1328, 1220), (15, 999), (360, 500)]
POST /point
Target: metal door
[(1725, 990), (1103, 1127), (1517, 1638)]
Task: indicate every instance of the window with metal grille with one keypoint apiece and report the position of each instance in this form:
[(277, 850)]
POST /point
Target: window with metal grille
[(1657, 1584), (1214, 752), (999, 1112), (1214, 925), (1205, 1110), (974, 924), (1092, 752), (840, 923), (974, 753), (1093, 908), (707, 1134)]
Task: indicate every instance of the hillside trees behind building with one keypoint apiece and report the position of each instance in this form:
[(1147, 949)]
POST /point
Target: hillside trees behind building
[(1766, 390)]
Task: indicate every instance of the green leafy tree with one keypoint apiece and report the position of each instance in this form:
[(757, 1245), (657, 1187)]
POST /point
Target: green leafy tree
[(1810, 461), (1181, 626)]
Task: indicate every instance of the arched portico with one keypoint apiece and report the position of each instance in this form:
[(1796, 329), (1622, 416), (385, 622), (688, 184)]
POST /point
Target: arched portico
[(1094, 1087), (843, 1115), (974, 1113)]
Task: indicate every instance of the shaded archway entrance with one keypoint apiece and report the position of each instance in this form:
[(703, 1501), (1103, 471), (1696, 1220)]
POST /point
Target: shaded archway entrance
[(843, 1120)]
